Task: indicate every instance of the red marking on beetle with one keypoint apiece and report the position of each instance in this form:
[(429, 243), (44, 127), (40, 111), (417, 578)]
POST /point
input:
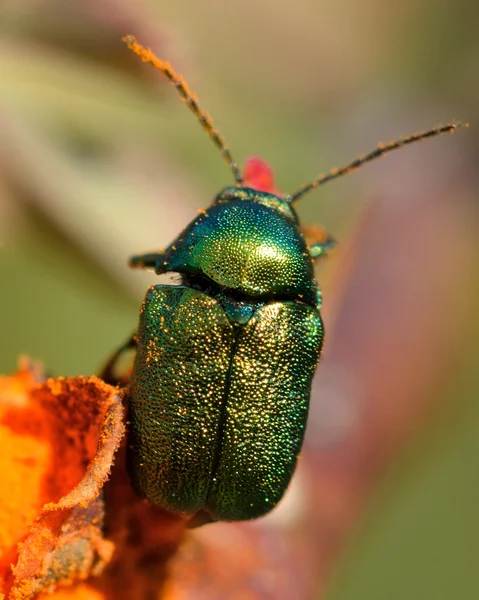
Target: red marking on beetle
[(259, 176)]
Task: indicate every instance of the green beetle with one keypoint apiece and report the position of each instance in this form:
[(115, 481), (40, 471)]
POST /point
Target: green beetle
[(219, 394)]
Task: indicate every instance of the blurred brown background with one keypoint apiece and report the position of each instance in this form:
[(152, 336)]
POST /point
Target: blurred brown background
[(99, 160)]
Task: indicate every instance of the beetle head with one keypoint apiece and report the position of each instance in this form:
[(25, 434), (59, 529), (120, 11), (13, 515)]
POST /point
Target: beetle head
[(258, 186)]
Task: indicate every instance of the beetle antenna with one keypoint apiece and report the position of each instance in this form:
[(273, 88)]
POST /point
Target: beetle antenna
[(189, 98), (361, 160)]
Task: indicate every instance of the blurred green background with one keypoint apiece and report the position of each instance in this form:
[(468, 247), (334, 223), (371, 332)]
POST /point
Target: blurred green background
[(99, 160)]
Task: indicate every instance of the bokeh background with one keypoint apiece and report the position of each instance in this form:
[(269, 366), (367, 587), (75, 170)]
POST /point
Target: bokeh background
[(99, 160)]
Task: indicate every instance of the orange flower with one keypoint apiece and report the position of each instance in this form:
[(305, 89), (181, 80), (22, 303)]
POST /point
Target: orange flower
[(58, 439)]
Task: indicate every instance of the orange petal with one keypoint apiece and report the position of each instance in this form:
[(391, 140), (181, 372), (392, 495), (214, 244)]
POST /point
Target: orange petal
[(59, 437)]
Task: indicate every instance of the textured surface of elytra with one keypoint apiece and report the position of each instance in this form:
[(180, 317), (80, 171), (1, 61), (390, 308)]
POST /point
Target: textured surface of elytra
[(266, 410), (177, 386), (218, 411)]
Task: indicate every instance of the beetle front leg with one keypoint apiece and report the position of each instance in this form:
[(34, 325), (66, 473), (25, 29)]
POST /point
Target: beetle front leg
[(108, 371), (322, 249), (151, 260)]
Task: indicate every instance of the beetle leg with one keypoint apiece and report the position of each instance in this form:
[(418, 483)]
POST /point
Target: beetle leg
[(108, 372), (151, 260), (319, 298), (322, 249)]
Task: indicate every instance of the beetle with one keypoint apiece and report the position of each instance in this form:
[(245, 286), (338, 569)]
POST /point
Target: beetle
[(219, 392)]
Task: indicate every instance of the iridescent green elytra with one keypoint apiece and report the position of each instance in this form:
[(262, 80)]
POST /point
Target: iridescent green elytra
[(219, 394)]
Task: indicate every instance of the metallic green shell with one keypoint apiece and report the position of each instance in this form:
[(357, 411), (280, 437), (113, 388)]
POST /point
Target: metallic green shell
[(218, 411), (266, 409), (247, 247), (177, 389)]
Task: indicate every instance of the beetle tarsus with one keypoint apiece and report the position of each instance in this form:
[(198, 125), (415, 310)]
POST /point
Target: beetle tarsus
[(108, 372), (151, 260), (322, 249)]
